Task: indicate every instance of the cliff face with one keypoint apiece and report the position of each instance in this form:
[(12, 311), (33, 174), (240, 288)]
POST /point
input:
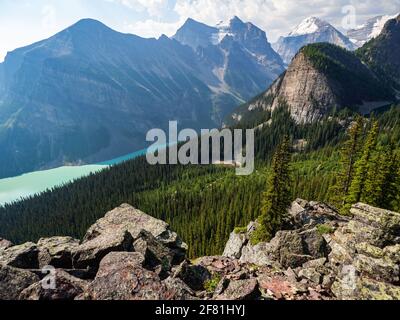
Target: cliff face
[(321, 77), (128, 255), (305, 89)]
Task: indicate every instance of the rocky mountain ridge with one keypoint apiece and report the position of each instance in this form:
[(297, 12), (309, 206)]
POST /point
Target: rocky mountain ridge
[(57, 96), (128, 255), (369, 30), (238, 52)]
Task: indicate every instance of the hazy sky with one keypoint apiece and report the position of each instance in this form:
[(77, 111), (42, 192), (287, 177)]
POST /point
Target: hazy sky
[(25, 21)]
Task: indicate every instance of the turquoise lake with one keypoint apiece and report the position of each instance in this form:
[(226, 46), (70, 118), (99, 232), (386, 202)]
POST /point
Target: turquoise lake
[(15, 188)]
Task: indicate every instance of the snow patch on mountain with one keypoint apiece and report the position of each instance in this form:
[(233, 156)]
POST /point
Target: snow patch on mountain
[(307, 26), (310, 30), (369, 30)]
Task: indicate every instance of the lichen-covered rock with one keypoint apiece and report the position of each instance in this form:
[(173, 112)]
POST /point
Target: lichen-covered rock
[(5, 244), (240, 290), (296, 248), (278, 287), (365, 289), (317, 263), (121, 276), (130, 256), (13, 281), (57, 251), (369, 250), (24, 256), (262, 254), (178, 290), (118, 230), (90, 253), (392, 253), (134, 221), (155, 253), (379, 269), (220, 265), (374, 290), (311, 274), (66, 287), (297, 207), (385, 221), (233, 248), (193, 275), (341, 252), (312, 214)]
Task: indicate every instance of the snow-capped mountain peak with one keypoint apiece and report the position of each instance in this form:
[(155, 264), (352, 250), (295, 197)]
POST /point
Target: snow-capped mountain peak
[(310, 30), (369, 30), (309, 25)]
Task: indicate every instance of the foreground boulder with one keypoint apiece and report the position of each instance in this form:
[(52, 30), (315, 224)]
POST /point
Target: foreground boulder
[(240, 290), (57, 251), (121, 276), (66, 287), (13, 281), (24, 256), (354, 257), (128, 255), (5, 244), (123, 228), (383, 225)]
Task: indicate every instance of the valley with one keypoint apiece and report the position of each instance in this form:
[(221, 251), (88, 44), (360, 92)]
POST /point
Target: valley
[(323, 113), (29, 184)]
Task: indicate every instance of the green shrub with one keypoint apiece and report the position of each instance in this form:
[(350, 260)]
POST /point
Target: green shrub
[(325, 229), (211, 285), (239, 230)]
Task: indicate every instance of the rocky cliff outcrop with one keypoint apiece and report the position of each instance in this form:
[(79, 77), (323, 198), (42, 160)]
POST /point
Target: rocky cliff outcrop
[(128, 255), (322, 77)]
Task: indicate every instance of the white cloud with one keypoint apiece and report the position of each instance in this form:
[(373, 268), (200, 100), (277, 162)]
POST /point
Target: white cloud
[(151, 28), (155, 8), (278, 17), (23, 22)]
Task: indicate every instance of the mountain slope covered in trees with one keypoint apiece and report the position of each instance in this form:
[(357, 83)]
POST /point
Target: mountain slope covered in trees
[(203, 203), (381, 54)]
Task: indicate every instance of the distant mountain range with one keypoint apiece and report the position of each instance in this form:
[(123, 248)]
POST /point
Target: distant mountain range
[(369, 30), (90, 93), (310, 30), (239, 54), (323, 77)]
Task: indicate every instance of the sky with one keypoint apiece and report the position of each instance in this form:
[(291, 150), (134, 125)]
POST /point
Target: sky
[(23, 22)]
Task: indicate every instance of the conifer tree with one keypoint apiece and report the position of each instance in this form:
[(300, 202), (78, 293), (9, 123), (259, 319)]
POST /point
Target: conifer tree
[(358, 185), (277, 198), (382, 185), (349, 155)]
